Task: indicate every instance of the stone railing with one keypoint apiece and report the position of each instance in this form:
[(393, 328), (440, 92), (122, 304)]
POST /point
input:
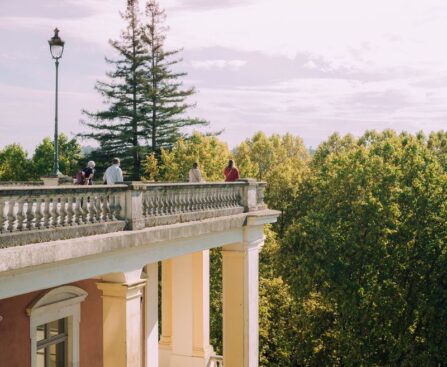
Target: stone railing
[(215, 361), (38, 214), (35, 214)]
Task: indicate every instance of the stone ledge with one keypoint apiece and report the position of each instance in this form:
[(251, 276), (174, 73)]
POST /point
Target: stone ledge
[(59, 233)]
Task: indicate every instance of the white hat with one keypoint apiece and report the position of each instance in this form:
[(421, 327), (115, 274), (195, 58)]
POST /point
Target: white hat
[(91, 164)]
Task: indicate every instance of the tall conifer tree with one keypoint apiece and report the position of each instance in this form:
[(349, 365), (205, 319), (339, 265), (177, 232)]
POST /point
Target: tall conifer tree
[(166, 97), (146, 101), (119, 129)]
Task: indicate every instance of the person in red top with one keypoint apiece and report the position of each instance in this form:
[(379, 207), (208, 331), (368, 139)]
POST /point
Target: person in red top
[(231, 173)]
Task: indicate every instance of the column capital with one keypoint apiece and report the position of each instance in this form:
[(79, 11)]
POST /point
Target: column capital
[(122, 290)]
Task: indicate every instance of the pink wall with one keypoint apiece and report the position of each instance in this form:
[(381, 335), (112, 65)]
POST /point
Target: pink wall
[(15, 343)]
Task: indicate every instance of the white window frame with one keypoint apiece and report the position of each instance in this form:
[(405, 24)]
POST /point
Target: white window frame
[(59, 303)]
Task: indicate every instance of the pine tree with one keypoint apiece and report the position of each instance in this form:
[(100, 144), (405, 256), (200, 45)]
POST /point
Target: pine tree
[(146, 101), (119, 129), (166, 98)]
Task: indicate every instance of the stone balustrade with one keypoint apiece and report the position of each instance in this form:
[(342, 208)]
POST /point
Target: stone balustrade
[(37, 214), (216, 361)]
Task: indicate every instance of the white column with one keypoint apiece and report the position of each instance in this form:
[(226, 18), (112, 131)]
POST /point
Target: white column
[(122, 322), (151, 315), (240, 303), (190, 310)]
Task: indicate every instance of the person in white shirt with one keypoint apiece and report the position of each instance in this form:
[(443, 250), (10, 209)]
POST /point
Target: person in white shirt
[(113, 174), (194, 173)]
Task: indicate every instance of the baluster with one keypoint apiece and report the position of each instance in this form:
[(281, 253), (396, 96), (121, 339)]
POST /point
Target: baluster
[(192, 199), (170, 204), (92, 207), (99, 204), (207, 193), (105, 208), (159, 202), (11, 214), (71, 202), (200, 199), (2, 214), (55, 211), (78, 209), (46, 212), (29, 213), (63, 210), (85, 204), (39, 213), (145, 203), (175, 201), (20, 214), (181, 201), (214, 201), (116, 206), (151, 203), (164, 203), (226, 197), (197, 199), (218, 198)]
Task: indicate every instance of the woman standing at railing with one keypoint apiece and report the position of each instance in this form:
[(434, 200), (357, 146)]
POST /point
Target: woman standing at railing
[(194, 173), (231, 173)]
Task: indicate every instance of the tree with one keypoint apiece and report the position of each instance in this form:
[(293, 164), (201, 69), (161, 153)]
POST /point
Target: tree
[(69, 156), (165, 104), (281, 161), (211, 154), (120, 128), (146, 101), (14, 164), (368, 248)]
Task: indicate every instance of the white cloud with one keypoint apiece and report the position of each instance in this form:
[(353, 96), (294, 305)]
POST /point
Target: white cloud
[(218, 64)]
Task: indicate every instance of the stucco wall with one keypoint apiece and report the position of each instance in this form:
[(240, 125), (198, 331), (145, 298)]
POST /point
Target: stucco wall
[(15, 346)]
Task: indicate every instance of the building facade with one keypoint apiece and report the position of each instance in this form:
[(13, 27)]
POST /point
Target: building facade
[(83, 271)]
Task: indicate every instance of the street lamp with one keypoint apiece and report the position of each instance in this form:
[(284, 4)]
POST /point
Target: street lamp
[(56, 49)]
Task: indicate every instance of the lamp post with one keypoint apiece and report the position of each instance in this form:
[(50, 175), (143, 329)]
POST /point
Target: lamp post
[(56, 49)]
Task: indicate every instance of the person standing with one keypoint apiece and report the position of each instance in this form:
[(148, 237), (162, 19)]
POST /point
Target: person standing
[(113, 174), (194, 173), (231, 173)]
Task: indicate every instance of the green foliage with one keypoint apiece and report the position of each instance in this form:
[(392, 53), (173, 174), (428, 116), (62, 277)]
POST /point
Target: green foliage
[(14, 164), (69, 157), (216, 331), (279, 160), (366, 256), (210, 153)]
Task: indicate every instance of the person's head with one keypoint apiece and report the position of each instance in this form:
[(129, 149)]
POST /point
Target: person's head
[(116, 161), (195, 165), (91, 164), (231, 163)]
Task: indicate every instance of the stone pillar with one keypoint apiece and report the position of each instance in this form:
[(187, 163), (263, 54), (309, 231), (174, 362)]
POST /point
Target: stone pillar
[(122, 322), (240, 303), (165, 344), (190, 310), (151, 315)]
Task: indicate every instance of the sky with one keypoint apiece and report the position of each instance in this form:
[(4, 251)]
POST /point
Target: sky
[(308, 67)]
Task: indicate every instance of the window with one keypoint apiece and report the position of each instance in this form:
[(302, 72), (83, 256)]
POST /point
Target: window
[(54, 327), (52, 344)]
